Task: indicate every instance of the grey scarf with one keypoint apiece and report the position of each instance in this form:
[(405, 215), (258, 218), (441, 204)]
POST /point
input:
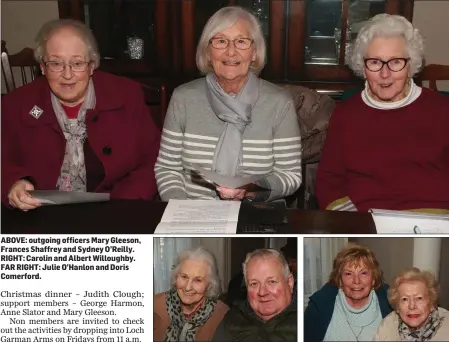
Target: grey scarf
[(73, 171), (236, 113), (425, 333), (181, 328)]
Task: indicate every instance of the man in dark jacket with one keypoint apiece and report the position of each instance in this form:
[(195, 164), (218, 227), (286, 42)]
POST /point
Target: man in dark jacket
[(270, 312)]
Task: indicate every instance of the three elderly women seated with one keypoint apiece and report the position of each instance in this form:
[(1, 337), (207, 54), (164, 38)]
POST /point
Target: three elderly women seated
[(191, 310), (386, 148), (357, 305)]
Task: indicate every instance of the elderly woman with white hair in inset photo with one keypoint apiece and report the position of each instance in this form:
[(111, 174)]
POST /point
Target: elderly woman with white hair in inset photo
[(190, 310), (387, 147), (417, 317), (231, 121)]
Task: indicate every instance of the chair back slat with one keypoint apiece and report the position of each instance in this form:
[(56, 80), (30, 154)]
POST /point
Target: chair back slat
[(29, 68), (7, 73), (156, 100), (433, 73)]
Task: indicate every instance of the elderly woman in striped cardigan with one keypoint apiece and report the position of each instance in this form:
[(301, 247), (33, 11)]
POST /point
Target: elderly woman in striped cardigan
[(230, 122)]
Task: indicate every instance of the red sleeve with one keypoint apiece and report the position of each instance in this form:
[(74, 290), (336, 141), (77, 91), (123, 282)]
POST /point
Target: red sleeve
[(331, 175), (141, 182), (12, 168)]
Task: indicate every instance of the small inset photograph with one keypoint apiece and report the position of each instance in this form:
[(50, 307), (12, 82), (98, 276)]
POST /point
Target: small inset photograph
[(225, 289), (376, 289)]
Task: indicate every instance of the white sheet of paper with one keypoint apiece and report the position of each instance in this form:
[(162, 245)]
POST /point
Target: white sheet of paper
[(401, 222), (230, 182), (199, 217), (55, 197)]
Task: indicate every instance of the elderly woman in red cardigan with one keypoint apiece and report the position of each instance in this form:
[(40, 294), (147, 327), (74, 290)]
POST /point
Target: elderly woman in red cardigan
[(387, 147), (76, 129)]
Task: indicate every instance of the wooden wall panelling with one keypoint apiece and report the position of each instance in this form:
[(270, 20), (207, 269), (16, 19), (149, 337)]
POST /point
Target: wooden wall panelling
[(407, 9), (276, 44), (329, 73), (188, 36), (296, 40), (344, 29), (174, 31), (73, 9), (392, 6), (161, 34)]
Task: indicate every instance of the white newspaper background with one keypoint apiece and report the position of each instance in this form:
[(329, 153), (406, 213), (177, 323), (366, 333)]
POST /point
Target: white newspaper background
[(199, 217), (55, 197), (88, 288), (227, 181), (401, 222)]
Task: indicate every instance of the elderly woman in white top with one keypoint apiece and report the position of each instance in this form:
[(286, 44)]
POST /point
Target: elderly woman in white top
[(391, 135), (417, 317), (230, 122)]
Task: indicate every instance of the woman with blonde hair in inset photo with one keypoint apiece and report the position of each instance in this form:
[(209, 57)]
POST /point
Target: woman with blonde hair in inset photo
[(350, 307), (417, 317)]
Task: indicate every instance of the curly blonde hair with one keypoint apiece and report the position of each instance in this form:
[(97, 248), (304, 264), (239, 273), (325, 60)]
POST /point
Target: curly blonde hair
[(410, 275), (355, 254)]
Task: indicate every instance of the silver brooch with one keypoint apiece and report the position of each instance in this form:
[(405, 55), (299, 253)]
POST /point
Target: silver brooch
[(36, 112)]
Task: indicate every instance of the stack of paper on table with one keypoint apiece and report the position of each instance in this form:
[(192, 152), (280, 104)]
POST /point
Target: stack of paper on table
[(405, 222), (199, 217), (55, 197)]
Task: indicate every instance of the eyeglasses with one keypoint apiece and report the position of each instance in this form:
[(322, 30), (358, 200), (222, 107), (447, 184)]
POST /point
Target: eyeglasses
[(57, 66), (394, 64), (223, 43)]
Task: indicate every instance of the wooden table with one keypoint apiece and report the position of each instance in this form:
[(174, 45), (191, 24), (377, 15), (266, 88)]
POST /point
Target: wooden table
[(142, 217)]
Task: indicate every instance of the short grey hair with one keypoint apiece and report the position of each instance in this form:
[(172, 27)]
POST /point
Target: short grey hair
[(265, 253), (223, 19), (200, 254), (49, 28), (387, 25)]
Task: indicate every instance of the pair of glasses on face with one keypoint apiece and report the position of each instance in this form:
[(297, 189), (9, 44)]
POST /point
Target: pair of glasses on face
[(239, 43), (58, 66), (394, 64)]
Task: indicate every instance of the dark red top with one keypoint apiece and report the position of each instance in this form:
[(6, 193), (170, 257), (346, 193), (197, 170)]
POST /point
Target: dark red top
[(394, 159), (72, 112)]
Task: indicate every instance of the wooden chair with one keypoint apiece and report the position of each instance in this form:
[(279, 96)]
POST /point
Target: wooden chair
[(156, 100), (29, 68), (433, 73)]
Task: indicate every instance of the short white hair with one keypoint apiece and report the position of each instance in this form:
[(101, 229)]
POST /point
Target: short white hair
[(387, 25), (223, 19), (200, 254), (49, 28), (266, 253)]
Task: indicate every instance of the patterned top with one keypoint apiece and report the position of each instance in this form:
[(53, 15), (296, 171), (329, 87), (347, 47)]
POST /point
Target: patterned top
[(271, 143)]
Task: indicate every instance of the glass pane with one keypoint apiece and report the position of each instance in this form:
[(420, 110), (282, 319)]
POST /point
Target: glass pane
[(123, 28), (324, 27), (323, 17), (358, 13)]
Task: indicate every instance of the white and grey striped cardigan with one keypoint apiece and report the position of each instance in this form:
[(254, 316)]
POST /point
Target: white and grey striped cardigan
[(271, 143)]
